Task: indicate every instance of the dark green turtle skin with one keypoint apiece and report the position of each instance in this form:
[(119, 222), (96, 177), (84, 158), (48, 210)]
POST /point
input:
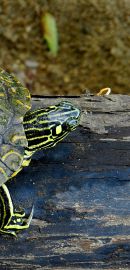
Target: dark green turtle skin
[(22, 133)]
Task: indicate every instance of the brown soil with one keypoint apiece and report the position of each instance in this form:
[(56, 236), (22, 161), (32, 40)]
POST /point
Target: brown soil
[(94, 42)]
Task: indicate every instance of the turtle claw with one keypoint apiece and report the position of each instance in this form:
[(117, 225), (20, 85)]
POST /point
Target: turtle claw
[(29, 219)]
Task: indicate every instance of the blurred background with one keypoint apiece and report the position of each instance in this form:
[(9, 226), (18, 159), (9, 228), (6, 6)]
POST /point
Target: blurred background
[(62, 47)]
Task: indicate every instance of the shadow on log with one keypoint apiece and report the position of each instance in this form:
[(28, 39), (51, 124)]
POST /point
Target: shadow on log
[(81, 193)]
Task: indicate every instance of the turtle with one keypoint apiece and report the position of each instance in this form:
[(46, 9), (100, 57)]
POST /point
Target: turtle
[(24, 131)]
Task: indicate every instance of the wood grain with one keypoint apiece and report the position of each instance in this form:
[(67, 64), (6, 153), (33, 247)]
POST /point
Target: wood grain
[(81, 193)]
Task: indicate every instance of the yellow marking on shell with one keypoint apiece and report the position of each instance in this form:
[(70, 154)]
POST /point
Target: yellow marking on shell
[(58, 129), (8, 81), (2, 70), (2, 94), (13, 90), (15, 173), (4, 173), (26, 162), (29, 154), (28, 96), (10, 153), (17, 137), (21, 103), (19, 119)]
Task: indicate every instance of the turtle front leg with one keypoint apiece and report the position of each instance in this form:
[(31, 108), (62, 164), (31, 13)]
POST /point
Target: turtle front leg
[(11, 221)]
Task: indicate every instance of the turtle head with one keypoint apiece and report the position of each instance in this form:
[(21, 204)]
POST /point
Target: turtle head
[(66, 118), (46, 127)]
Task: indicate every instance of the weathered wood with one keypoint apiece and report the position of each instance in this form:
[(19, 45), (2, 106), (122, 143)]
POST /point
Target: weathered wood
[(81, 193)]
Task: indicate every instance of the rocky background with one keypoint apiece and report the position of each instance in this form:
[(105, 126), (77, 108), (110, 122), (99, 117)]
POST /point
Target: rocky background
[(94, 45)]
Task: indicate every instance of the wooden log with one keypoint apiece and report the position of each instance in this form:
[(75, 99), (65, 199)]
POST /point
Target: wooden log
[(81, 193)]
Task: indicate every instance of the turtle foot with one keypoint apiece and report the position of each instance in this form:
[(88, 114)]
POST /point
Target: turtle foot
[(18, 223)]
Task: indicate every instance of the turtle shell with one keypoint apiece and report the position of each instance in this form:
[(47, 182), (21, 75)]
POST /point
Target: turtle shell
[(15, 101)]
